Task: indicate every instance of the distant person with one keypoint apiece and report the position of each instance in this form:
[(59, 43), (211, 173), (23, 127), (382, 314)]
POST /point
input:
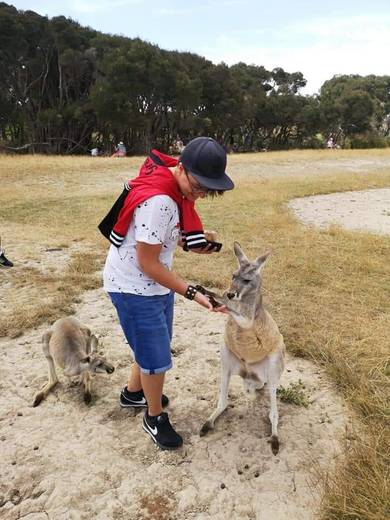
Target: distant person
[(330, 143), (176, 147), (120, 150), (179, 145), (4, 262)]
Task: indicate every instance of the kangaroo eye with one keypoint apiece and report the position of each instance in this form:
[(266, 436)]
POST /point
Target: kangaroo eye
[(246, 281)]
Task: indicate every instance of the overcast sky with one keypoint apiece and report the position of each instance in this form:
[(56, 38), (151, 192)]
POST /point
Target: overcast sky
[(318, 38)]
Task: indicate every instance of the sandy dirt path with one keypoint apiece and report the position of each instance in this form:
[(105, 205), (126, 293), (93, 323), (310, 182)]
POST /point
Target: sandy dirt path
[(65, 460), (367, 210)]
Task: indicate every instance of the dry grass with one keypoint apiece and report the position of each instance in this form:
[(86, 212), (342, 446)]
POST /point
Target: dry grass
[(359, 489), (44, 297), (329, 290)]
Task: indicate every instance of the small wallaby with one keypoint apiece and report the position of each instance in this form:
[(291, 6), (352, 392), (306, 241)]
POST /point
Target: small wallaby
[(71, 345), (254, 347)]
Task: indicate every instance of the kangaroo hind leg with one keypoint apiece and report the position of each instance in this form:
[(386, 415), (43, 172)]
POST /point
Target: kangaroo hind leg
[(52, 376), (86, 379), (228, 368), (275, 369)]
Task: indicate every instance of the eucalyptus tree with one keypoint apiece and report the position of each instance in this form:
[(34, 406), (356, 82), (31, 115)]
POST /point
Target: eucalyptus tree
[(357, 104)]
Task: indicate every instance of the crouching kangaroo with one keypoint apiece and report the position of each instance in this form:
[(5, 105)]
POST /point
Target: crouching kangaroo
[(72, 346), (254, 347)]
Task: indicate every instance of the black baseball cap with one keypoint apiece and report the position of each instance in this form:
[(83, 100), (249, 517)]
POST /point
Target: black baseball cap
[(205, 159)]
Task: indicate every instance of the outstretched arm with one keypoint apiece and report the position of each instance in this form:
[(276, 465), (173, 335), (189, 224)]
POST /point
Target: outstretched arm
[(148, 259)]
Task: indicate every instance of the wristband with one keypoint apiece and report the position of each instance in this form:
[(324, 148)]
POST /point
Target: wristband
[(209, 295), (190, 292)]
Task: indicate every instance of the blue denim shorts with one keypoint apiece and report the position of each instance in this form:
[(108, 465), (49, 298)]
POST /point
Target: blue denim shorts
[(147, 324)]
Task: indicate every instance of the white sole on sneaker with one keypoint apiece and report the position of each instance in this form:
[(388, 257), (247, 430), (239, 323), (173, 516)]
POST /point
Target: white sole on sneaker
[(134, 404), (125, 402)]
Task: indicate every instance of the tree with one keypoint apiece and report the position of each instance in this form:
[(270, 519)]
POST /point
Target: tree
[(65, 88)]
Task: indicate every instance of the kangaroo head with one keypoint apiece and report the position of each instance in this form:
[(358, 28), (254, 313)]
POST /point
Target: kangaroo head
[(246, 280), (245, 290), (96, 364)]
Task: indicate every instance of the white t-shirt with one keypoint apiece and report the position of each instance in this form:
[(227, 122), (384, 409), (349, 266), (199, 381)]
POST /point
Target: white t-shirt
[(155, 221)]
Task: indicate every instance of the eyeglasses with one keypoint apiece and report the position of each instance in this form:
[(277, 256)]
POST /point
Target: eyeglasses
[(195, 187)]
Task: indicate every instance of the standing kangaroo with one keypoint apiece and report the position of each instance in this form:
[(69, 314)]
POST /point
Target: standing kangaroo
[(72, 346), (254, 347)]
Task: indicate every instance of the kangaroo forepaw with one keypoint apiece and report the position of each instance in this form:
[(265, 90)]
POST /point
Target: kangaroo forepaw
[(274, 444), (38, 399), (207, 427), (87, 398)]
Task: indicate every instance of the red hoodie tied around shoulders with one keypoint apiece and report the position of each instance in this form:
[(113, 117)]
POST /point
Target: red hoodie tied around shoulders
[(154, 178)]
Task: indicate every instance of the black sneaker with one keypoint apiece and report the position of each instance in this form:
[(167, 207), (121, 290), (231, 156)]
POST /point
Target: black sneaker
[(161, 431), (137, 399), (4, 262)]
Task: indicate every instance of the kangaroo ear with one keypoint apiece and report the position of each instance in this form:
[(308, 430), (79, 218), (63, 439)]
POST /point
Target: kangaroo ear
[(93, 343), (87, 359), (242, 259), (260, 261)]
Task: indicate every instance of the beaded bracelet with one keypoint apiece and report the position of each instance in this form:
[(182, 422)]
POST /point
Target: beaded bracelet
[(190, 292)]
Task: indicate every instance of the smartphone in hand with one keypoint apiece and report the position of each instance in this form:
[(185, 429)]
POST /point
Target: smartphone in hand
[(214, 246)]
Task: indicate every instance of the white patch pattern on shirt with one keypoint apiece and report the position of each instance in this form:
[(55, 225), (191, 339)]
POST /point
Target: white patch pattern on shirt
[(155, 221)]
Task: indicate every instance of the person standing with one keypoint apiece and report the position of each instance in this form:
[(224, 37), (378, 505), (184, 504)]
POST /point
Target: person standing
[(154, 214)]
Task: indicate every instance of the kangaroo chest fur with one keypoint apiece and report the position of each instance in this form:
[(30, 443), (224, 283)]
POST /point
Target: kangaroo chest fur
[(255, 343)]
